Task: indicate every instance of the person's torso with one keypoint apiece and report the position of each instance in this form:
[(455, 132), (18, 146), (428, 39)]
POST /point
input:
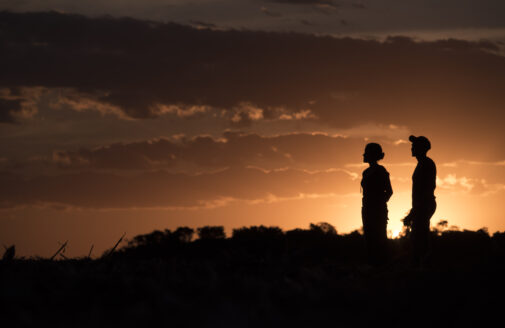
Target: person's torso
[(424, 182), (374, 185)]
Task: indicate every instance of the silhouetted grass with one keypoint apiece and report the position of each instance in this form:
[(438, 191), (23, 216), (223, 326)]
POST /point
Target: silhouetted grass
[(260, 277)]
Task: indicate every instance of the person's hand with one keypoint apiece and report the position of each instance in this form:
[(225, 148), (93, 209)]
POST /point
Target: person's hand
[(407, 221)]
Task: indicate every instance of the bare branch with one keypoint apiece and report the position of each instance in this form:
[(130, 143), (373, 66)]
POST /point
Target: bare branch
[(59, 250), (115, 246), (90, 250)]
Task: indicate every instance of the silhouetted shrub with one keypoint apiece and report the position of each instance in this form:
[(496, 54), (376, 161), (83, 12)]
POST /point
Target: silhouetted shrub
[(184, 234), (352, 246), (461, 248), (320, 241), (315, 245), (324, 228), (156, 237), (440, 227), (259, 241), (209, 233), (499, 240), (256, 233), (257, 277)]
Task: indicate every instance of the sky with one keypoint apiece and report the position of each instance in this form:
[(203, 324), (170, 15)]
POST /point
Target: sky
[(129, 116)]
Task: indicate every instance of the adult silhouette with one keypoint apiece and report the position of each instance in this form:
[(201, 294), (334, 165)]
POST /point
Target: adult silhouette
[(423, 198), (376, 193)]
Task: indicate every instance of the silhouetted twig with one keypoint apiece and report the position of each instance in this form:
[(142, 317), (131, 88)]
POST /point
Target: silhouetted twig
[(59, 250), (9, 254), (90, 250), (117, 244)]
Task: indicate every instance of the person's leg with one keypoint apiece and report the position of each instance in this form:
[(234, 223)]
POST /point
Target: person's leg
[(420, 235), (426, 254), (421, 232), (370, 233), (367, 233), (383, 245), (376, 242)]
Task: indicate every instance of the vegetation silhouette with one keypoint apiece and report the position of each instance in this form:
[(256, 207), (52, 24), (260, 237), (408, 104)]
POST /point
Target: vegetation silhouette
[(260, 276), (211, 233)]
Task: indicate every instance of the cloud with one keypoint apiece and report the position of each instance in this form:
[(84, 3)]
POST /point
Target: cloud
[(203, 25), (270, 13), (451, 181), (81, 101), (359, 5), (8, 108), (141, 70), (233, 149), (138, 66), (18, 103), (325, 8), (400, 142), (476, 186), (473, 163), (162, 189), (305, 2), (307, 22), (491, 172), (245, 113), (389, 16), (242, 114)]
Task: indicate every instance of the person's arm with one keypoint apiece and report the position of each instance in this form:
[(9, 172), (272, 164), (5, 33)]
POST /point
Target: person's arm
[(427, 180), (407, 221), (388, 188)]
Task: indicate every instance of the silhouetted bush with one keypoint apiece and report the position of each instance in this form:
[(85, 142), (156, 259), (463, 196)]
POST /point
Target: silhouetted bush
[(462, 248), (208, 233), (257, 234), (156, 237), (320, 241), (499, 241), (323, 228), (259, 241), (260, 277), (184, 234)]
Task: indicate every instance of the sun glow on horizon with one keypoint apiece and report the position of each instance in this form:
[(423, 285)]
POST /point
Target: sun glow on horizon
[(394, 233)]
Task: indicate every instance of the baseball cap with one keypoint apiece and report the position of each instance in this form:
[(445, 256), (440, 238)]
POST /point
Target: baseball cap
[(421, 141)]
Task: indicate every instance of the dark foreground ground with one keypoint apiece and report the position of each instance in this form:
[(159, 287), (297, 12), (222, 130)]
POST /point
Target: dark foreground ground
[(261, 277)]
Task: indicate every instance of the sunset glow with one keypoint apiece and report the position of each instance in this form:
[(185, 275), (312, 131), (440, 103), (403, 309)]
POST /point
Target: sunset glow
[(191, 116)]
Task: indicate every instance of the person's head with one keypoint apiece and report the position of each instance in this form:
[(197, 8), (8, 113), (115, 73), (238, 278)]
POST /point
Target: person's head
[(420, 145), (373, 153)]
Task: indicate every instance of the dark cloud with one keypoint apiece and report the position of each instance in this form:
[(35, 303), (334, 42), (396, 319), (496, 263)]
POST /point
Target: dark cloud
[(325, 8), (161, 189), (8, 107), (306, 22), (17, 104), (305, 2), (138, 65), (359, 5), (200, 24), (270, 13), (234, 149), (402, 17)]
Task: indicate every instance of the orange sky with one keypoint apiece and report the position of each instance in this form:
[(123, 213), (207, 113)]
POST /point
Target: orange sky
[(110, 126)]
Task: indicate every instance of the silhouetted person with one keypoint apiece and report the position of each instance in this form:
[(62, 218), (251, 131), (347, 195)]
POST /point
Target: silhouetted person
[(423, 198), (376, 193)]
